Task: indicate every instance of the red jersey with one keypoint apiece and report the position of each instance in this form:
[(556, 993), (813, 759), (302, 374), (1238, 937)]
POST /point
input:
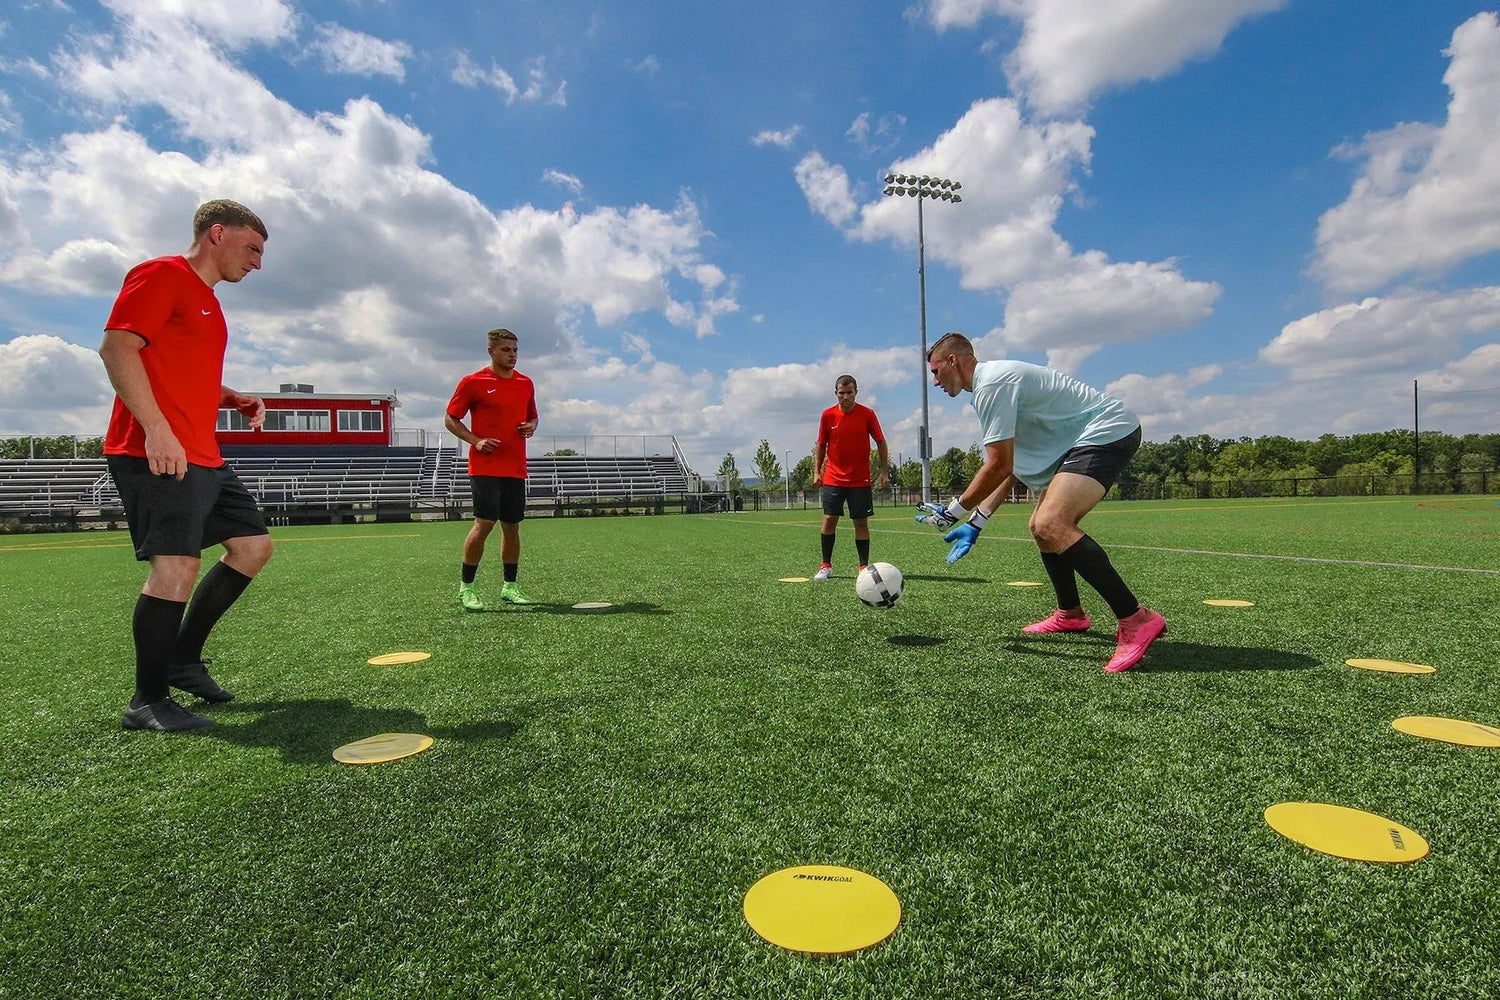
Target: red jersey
[(500, 406), (847, 438), (166, 304)]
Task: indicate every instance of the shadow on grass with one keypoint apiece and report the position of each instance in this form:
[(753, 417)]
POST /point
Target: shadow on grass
[(307, 732), (945, 578), (632, 608), (1164, 655), (915, 640), (1197, 656)]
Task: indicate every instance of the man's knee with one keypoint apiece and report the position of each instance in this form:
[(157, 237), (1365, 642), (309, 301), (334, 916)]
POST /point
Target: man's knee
[(1049, 530), (249, 554), (172, 577)]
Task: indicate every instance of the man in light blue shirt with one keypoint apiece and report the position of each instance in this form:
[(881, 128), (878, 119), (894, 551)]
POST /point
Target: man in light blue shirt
[(1050, 431)]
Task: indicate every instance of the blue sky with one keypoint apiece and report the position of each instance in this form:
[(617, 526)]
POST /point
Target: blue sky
[(1243, 217)]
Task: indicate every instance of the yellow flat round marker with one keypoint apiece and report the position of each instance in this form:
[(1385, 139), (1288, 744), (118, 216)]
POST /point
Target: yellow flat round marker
[(1432, 727), (1392, 666), (390, 659), (1023, 583), (591, 605), (382, 748), (792, 579), (1227, 602), (1346, 833), (822, 909)]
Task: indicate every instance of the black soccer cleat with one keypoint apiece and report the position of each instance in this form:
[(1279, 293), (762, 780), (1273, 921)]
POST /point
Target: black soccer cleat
[(163, 716), (194, 679)]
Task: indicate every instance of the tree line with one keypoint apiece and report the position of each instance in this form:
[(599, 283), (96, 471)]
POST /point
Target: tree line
[(1196, 459)]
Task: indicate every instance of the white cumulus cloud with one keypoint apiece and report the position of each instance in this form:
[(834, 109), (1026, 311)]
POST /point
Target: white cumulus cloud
[(1070, 50), (379, 271), (773, 137), (539, 89), (562, 180), (1016, 176), (1397, 332), (346, 51), (49, 386), (1427, 197), (826, 187)]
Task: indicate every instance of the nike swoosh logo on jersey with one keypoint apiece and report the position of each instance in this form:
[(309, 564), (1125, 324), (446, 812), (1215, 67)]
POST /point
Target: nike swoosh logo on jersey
[(208, 312), (488, 391)]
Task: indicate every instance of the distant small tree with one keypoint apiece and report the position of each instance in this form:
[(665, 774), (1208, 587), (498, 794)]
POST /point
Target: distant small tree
[(909, 476), (559, 453), (730, 473), (802, 473), (973, 461), (767, 465), (948, 471)]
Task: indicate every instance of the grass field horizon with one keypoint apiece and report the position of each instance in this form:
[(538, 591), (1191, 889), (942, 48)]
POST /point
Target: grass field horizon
[(606, 786)]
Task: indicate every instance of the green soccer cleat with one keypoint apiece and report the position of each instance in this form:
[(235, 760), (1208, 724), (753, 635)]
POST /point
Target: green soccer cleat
[(469, 598), (511, 594)]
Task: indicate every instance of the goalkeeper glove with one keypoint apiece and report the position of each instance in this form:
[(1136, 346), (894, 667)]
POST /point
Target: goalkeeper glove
[(964, 536), (940, 517)]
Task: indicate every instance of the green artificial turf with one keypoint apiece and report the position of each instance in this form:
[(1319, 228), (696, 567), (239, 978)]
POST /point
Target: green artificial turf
[(606, 786)]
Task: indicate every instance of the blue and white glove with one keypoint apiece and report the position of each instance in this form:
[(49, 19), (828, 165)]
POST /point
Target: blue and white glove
[(940, 517), (964, 536)]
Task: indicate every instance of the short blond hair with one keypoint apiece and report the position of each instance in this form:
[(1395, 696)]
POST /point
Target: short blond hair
[(226, 213), (501, 333), (956, 343)]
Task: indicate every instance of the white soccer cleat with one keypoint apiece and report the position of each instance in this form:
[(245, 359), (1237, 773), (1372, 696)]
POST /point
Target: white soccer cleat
[(824, 572)]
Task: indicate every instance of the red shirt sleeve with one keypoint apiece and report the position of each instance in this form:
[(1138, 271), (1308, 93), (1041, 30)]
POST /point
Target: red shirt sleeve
[(459, 405), (145, 302)]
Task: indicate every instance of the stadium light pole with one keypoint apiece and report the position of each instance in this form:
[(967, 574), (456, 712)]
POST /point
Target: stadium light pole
[(789, 479), (939, 189)]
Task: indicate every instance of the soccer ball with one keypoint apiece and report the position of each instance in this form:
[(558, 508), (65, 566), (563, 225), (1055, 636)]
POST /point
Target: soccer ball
[(879, 585)]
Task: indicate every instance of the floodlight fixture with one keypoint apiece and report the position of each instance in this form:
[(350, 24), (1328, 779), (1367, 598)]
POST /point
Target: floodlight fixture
[(919, 187)]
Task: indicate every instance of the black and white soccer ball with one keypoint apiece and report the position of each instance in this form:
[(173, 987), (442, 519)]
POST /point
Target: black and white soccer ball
[(879, 585)]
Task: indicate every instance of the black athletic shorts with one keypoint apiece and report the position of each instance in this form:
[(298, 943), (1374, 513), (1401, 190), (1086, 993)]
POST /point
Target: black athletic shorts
[(1102, 462), (860, 498), (499, 498), (172, 517)]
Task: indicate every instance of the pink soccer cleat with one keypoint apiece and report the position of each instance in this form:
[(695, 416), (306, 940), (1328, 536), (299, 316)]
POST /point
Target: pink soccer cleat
[(1135, 636), (1059, 621)]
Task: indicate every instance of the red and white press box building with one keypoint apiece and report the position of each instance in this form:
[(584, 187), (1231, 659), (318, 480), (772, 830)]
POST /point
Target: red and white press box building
[(298, 416)]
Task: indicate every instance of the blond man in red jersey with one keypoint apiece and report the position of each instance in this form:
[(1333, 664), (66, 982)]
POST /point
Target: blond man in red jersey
[(503, 404), (163, 350)]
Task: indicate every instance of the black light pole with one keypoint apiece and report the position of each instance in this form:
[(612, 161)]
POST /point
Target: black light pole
[(942, 189), (1416, 442)]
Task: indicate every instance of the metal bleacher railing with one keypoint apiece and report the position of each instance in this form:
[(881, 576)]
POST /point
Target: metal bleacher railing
[(618, 467)]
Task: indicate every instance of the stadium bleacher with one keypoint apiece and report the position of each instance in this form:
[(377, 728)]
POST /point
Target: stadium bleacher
[(412, 476), (39, 485)]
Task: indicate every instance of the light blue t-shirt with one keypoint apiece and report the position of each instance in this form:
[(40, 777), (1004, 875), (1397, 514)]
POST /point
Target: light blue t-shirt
[(1047, 412)]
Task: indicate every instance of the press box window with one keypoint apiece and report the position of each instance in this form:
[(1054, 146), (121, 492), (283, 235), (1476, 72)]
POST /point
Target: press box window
[(296, 420), (233, 420), (361, 420)]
